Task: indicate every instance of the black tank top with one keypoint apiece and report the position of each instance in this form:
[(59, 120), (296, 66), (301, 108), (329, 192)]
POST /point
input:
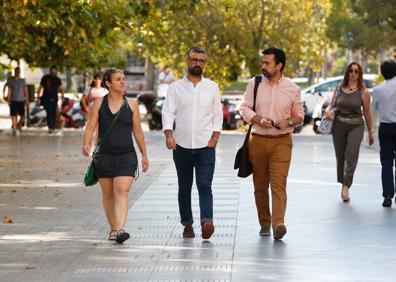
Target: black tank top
[(119, 141)]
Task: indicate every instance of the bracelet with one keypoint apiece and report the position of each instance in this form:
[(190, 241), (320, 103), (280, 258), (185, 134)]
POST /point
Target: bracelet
[(371, 130), (261, 122), (215, 139)]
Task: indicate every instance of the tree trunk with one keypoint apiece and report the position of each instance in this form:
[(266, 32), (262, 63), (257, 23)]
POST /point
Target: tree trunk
[(149, 70), (68, 79)]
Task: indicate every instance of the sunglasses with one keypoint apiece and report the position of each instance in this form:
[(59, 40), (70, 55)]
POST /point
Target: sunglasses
[(354, 71)]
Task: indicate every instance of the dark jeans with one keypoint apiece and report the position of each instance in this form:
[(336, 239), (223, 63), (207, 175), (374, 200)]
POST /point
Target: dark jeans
[(387, 139), (50, 108), (203, 160)]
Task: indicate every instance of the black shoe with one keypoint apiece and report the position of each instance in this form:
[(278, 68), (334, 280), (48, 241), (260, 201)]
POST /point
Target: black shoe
[(122, 236), (387, 202)]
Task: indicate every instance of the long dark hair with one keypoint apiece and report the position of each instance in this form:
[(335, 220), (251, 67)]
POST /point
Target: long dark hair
[(360, 83), (96, 76)]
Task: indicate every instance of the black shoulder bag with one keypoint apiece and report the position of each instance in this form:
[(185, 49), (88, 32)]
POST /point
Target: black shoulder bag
[(242, 162)]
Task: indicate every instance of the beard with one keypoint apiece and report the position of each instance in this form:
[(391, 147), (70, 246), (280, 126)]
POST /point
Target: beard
[(267, 74), (195, 71)]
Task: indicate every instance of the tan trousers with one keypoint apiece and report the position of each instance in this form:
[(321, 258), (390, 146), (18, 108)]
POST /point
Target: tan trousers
[(270, 158)]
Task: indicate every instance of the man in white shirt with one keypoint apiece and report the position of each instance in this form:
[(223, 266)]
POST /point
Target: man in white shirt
[(384, 102), (193, 104)]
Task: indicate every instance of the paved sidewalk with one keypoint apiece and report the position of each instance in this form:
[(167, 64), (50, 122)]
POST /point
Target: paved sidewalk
[(59, 226)]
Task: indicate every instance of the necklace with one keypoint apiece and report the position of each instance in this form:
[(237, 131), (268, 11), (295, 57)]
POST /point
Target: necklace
[(352, 88)]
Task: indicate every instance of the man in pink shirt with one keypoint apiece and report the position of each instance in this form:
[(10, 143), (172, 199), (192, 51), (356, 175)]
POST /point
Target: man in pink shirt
[(278, 109)]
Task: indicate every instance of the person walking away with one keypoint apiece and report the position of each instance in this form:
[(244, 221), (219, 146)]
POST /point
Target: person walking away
[(348, 127), (278, 109), (193, 104), (384, 102), (17, 98), (116, 162), (165, 78), (51, 85)]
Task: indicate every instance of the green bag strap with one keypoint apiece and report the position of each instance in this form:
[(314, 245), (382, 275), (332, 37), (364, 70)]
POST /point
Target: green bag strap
[(111, 126)]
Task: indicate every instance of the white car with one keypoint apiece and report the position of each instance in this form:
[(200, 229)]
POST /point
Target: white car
[(315, 96)]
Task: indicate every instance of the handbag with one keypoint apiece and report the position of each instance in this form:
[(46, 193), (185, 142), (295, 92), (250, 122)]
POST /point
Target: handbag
[(325, 126), (91, 178), (242, 162)]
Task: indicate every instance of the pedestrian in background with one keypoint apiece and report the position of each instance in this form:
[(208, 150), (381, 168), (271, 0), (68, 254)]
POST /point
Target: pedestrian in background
[(384, 102), (51, 85), (193, 104), (94, 92), (278, 109), (165, 78), (116, 162), (348, 127), (17, 98)]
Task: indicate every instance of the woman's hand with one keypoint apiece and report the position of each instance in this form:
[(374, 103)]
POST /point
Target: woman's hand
[(145, 164), (329, 115), (86, 150), (371, 138)]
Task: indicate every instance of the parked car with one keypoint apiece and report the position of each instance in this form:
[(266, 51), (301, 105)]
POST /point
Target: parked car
[(315, 96)]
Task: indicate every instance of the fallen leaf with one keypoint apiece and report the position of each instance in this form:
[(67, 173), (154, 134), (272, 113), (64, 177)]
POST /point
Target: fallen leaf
[(13, 190), (29, 266), (7, 220)]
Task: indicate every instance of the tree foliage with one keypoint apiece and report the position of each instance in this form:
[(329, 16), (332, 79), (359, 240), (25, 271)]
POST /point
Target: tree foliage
[(363, 24), (86, 34)]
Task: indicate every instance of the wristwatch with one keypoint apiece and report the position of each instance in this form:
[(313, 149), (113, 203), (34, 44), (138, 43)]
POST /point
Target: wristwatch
[(290, 122)]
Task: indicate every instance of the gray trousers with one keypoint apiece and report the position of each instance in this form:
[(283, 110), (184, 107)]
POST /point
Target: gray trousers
[(347, 139)]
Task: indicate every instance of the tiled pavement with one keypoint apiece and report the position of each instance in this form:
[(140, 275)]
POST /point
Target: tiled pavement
[(59, 227)]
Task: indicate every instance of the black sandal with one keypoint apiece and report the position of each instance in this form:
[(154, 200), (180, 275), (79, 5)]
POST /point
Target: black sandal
[(122, 236), (112, 235)]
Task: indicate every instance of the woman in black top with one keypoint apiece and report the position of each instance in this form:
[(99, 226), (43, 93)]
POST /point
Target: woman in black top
[(116, 162)]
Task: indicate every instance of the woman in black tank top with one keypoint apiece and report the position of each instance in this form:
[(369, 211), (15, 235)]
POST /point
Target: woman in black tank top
[(116, 162)]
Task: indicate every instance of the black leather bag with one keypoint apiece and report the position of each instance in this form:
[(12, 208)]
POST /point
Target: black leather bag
[(242, 162)]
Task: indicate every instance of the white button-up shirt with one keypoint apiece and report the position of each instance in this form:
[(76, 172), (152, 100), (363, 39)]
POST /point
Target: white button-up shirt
[(384, 101), (196, 112)]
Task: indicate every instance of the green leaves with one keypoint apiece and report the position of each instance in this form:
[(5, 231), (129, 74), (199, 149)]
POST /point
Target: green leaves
[(90, 34)]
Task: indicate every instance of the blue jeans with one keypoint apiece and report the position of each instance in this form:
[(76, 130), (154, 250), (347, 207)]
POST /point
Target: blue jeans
[(50, 108), (387, 139), (203, 160)]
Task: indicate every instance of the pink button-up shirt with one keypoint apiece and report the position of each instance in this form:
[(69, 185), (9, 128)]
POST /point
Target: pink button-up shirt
[(276, 102)]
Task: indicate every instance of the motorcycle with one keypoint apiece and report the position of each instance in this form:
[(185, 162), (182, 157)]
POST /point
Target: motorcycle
[(231, 116), (38, 116), (318, 114), (71, 114), (153, 107)]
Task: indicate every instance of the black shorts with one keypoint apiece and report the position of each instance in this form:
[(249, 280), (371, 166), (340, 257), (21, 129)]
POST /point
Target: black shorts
[(17, 108), (109, 166)]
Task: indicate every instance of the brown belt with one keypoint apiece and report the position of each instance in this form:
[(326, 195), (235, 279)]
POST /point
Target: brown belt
[(271, 136)]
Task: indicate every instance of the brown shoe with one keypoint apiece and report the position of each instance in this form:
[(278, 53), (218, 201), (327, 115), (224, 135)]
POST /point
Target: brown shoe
[(207, 229), (279, 231)]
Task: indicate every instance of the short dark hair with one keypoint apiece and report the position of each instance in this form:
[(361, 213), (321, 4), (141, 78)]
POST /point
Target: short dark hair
[(388, 69), (195, 49), (17, 69), (280, 56), (108, 74), (53, 67)]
